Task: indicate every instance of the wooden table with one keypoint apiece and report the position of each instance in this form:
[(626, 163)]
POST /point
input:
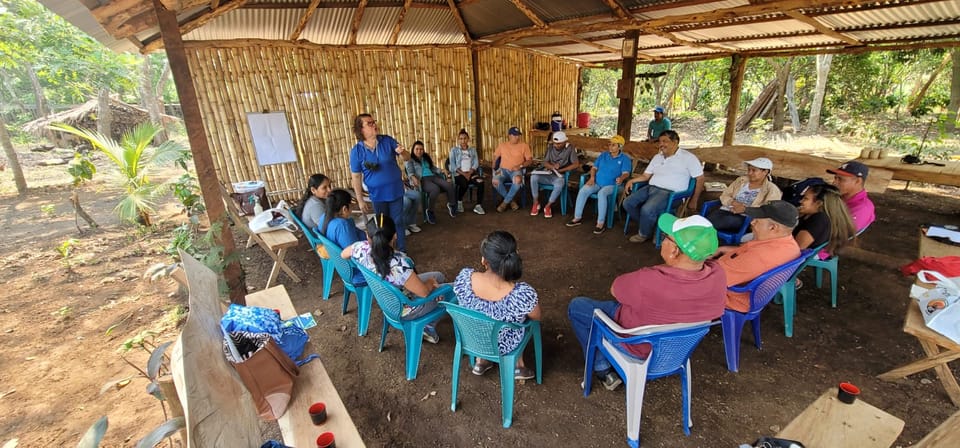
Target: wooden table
[(945, 435), (939, 350), (828, 423), (312, 385)]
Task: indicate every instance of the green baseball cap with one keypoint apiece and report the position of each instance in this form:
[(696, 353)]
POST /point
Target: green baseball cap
[(695, 236)]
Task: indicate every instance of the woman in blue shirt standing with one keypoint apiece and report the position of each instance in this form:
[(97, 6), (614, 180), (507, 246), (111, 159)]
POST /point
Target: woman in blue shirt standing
[(373, 162)]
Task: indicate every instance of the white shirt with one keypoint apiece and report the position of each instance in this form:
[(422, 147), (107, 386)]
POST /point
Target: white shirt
[(673, 173)]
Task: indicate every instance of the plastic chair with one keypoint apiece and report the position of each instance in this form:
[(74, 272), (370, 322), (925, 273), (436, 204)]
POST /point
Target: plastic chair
[(509, 182), (727, 237), (673, 200), (315, 244), (478, 337), (788, 292), (831, 264), (671, 347), (761, 289), (345, 268), (391, 301), (564, 195), (611, 201)]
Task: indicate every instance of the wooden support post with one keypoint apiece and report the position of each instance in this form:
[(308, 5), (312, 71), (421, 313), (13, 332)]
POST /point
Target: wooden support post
[(207, 175), (625, 87), (738, 64), (475, 67)]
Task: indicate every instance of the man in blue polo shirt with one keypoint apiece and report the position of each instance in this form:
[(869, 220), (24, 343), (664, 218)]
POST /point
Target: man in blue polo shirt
[(373, 163), (659, 124)]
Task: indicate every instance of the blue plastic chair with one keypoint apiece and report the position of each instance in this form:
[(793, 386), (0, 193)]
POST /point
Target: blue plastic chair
[(787, 295), (727, 238), (478, 337), (761, 289), (671, 348), (509, 182), (611, 200), (391, 301), (673, 201), (345, 269), (564, 195), (831, 265), (316, 245)]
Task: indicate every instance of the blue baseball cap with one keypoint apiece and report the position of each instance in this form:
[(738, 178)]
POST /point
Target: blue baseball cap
[(658, 109), (514, 131)]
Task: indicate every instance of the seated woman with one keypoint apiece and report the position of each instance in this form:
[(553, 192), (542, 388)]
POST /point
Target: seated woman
[(338, 225), (377, 253), (752, 190), (824, 218), (425, 175), (465, 163), (312, 202), (496, 292)]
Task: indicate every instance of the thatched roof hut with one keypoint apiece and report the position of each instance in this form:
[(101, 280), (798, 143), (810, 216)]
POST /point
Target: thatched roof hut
[(125, 118)]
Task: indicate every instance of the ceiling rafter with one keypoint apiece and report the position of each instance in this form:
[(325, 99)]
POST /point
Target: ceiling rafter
[(537, 21), (459, 19), (328, 5), (823, 29), (155, 42), (618, 9), (355, 25), (304, 18), (396, 28), (214, 4)]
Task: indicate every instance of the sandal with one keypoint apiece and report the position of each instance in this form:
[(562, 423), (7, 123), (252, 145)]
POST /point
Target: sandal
[(480, 369), (523, 373)]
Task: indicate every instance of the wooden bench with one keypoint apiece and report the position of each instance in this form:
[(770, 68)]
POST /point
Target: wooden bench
[(828, 422), (945, 435), (311, 386)]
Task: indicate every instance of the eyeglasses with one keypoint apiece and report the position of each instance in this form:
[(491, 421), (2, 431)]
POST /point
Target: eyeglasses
[(370, 123)]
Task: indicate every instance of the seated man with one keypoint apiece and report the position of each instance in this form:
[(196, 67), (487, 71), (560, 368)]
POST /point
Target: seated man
[(773, 245), (514, 156), (850, 179), (669, 171), (611, 168), (686, 288), (561, 157), (659, 124)]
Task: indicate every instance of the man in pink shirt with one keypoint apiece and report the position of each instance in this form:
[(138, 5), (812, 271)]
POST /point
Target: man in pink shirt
[(686, 288), (850, 179)]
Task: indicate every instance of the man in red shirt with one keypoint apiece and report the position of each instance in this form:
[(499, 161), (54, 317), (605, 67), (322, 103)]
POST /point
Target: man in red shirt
[(686, 288)]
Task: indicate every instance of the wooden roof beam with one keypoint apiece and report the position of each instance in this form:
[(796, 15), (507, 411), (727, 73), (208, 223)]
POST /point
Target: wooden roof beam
[(537, 21), (355, 25), (396, 28), (155, 42), (370, 4), (618, 9), (459, 19), (825, 30), (304, 18)]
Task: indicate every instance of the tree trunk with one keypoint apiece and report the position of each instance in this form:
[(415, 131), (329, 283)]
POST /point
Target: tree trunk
[(79, 212), (823, 71), (104, 114), (676, 85), (149, 97), (694, 100), (922, 92), (791, 104), (738, 64), (783, 73), (14, 96), (42, 110), (952, 108), (12, 158)]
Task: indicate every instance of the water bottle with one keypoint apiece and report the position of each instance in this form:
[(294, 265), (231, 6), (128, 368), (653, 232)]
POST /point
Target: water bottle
[(257, 208)]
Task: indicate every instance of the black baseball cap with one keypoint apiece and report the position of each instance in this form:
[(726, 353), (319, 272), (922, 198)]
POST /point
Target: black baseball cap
[(851, 169), (782, 212)]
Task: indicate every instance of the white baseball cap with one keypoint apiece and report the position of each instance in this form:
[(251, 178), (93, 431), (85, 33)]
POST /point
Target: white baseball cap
[(559, 137), (760, 162)]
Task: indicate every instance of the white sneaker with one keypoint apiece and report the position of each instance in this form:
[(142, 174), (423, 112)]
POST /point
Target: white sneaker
[(459, 206), (414, 228), (479, 210), (406, 232)]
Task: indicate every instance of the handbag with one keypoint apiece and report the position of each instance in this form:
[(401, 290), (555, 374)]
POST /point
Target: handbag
[(266, 371), (940, 305)]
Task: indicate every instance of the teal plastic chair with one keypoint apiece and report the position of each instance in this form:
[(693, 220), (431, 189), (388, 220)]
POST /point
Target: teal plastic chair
[(564, 195), (477, 337), (787, 296), (673, 201), (611, 201), (391, 301), (325, 264), (831, 264), (345, 269)]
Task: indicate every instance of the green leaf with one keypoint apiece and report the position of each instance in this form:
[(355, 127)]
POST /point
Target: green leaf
[(156, 360), (95, 434), (166, 429)]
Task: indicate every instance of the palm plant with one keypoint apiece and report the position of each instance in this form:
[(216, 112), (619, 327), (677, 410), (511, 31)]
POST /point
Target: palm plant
[(135, 161)]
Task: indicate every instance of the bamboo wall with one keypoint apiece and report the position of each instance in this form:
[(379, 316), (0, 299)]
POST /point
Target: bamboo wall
[(414, 94)]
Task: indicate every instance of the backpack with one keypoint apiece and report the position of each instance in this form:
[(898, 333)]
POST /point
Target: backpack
[(794, 192)]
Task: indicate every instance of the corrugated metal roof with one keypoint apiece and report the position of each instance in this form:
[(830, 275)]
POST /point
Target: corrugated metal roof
[(493, 16), (273, 24), (906, 33), (423, 26), (331, 28), (896, 15), (377, 25), (732, 32), (782, 42), (554, 10), (691, 9)]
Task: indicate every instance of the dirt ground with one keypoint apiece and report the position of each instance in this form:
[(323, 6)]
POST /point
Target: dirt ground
[(62, 320)]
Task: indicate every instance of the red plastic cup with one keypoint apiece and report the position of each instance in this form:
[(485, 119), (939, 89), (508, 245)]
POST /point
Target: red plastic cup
[(847, 393), (325, 440), (318, 413)]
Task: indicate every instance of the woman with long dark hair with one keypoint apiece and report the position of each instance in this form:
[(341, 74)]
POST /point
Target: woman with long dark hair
[(824, 218), (312, 202), (424, 174), (466, 164), (378, 254), (337, 225), (497, 292)]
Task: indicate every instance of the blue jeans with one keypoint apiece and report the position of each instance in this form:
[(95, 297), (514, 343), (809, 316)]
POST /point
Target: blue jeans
[(602, 194), (580, 312), (507, 175), (411, 206), (645, 205), (550, 179), (394, 209)]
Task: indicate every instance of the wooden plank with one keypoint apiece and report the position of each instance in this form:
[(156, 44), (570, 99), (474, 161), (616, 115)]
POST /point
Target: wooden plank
[(828, 422), (942, 369), (947, 434), (949, 174), (311, 386)]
